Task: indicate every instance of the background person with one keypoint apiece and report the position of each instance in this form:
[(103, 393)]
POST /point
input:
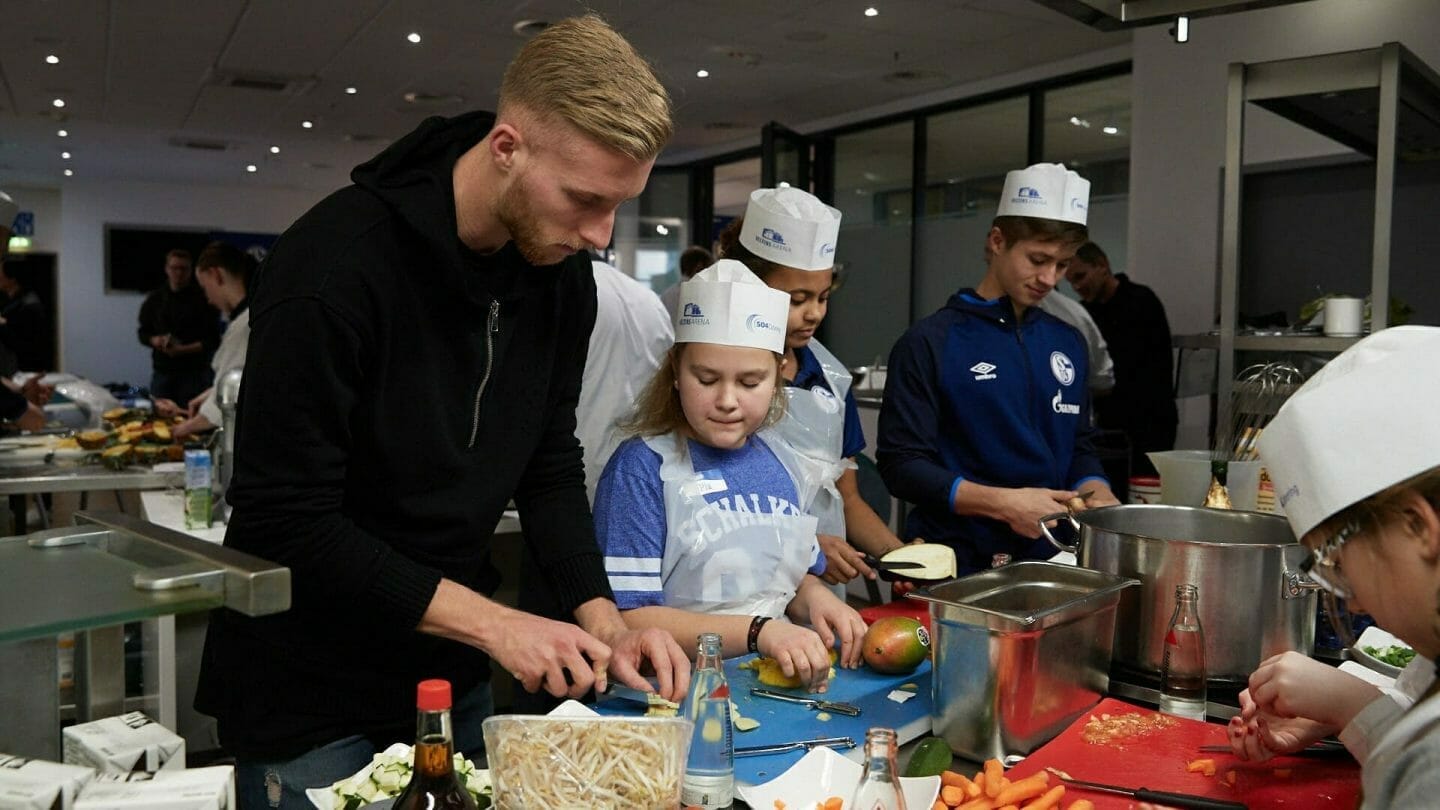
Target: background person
[(1132, 319), (416, 350), (970, 431), (223, 273), (19, 405), (705, 522), (692, 260), (181, 331), (1368, 509)]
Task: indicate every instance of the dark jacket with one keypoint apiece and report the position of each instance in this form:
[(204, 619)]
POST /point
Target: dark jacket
[(1143, 402), (398, 391), (23, 335), (971, 394), (185, 315)]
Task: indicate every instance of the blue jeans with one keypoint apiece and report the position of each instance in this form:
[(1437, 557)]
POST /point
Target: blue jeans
[(266, 784)]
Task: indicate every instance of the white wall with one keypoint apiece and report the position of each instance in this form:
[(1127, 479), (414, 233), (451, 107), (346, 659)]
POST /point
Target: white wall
[(97, 329), (1178, 135)]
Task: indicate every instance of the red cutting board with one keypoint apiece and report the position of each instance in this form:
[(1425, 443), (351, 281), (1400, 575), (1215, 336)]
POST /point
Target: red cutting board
[(1157, 761)]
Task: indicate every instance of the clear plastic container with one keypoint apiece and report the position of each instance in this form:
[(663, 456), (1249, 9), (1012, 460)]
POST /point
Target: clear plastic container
[(545, 762)]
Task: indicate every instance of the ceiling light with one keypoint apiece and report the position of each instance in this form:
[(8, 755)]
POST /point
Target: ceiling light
[(872, 12), (52, 59), (662, 230), (307, 125), (64, 155), (274, 150), (1110, 130), (69, 173), (350, 91), (59, 102), (1077, 121), (413, 37), (1181, 31), (251, 168), (63, 133), (702, 73)]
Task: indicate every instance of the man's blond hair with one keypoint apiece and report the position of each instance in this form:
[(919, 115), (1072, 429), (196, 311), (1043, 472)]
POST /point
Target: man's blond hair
[(582, 71)]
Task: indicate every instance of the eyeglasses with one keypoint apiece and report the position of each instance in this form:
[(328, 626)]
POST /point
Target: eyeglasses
[(1323, 565)]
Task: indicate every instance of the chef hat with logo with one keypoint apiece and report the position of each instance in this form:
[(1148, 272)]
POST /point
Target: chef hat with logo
[(790, 227), (727, 304), (1045, 191), (1363, 423)]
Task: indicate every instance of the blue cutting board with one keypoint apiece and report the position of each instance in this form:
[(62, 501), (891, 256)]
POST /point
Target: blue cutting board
[(782, 722)]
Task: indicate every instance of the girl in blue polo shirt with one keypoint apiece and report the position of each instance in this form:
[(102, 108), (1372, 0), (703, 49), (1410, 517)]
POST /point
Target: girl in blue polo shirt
[(702, 516)]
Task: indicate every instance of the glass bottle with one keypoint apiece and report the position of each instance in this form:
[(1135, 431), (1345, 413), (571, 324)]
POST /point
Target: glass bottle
[(710, 770), (1182, 675), (880, 785), (433, 781)]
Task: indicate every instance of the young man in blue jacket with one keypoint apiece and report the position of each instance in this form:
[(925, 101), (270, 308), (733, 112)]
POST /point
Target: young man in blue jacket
[(986, 421)]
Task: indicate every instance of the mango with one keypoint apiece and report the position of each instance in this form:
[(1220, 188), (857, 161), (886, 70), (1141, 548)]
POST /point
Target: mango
[(895, 645)]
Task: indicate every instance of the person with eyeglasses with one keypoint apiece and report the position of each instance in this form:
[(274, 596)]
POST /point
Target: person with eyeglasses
[(1355, 458)]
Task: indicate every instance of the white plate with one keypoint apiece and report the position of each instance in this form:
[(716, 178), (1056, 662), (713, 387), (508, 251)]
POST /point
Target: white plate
[(822, 773), (1379, 639)]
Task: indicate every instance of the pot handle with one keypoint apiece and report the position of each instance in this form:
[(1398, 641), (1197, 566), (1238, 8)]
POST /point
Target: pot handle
[(1295, 585), (1045, 530)]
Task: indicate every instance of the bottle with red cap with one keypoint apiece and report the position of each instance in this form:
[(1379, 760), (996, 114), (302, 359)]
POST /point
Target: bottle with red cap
[(433, 782)]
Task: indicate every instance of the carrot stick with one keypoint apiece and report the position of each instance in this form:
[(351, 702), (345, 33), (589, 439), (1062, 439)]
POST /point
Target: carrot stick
[(956, 779), (981, 803), (1081, 804), (994, 772), (939, 805), (1049, 800), (952, 795), (1027, 788)]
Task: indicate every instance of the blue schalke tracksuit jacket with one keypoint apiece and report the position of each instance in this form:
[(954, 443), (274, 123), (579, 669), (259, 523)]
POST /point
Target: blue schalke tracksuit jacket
[(970, 394)]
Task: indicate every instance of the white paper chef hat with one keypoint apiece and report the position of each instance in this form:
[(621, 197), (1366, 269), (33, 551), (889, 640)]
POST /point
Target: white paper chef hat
[(727, 304), (8, 210), (1045, 191), (791, 227), (1363, 423)]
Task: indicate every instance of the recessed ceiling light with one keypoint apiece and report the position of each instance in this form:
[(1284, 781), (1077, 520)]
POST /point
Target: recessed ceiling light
[(413, 37), (662, 230), (1077, 121), (1110, 130), (59, 102), (274, 150), (52, 59), (872, 12), (307, 124), (63, 133), (69, 173), (702, 73), (350, 91), (64, 155), (251, 168)]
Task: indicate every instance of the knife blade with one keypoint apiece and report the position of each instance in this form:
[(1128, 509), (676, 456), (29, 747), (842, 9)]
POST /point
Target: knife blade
[(1185, 800), (646, 699), (780, 748), (814, 704), (1324, 748), (890, 565)]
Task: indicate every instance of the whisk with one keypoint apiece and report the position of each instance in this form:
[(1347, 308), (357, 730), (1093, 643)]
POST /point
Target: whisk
[(1259, 392)]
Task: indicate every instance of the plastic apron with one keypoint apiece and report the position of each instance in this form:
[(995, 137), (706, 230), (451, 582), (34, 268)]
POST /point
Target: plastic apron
[(814, 426), (722, 561)]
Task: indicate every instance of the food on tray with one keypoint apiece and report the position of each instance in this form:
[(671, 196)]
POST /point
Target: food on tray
[(92, 439), (389, 772), (586, 762), (1396, 655), (896, 645), (991, 789), (767, 671), (118, 457), (116, 416)]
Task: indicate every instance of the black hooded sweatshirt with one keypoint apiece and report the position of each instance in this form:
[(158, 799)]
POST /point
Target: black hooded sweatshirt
[(399, 390)]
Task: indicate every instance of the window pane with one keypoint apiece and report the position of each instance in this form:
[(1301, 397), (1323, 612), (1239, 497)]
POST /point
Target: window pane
[(967, 153), (1087, 127), (651, 232), (872, 191)]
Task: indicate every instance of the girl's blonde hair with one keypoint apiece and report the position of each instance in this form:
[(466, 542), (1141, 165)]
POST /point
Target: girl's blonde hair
[(658, 410)]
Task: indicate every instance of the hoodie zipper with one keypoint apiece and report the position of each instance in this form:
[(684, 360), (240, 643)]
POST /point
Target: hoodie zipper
[(492, 325)]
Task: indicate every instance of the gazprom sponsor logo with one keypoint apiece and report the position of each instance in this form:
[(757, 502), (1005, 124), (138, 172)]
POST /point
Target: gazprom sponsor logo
[(772, 239), (984, 370), (755, 323), (1060, 406)]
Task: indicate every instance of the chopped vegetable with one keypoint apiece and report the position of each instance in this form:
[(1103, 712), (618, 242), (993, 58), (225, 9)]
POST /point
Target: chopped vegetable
[(389, 773), (1396, 655), (1201, 766)]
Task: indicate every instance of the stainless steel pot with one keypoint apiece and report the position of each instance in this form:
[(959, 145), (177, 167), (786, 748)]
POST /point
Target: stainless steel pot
[(1254, 602)]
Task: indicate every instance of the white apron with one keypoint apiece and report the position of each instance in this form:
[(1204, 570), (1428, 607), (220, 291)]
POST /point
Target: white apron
[(814, 426), (722, 561)]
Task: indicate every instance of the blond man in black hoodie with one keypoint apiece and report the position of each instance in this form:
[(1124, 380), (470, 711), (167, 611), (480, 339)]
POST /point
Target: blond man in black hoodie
[(417, 342)]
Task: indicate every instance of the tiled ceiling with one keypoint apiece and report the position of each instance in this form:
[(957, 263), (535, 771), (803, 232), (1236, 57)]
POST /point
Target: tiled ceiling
[(140, 76)]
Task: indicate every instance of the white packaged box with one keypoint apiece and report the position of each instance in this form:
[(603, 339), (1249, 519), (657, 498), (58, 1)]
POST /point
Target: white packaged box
[(130, 742), (27, 783), (211, 788)]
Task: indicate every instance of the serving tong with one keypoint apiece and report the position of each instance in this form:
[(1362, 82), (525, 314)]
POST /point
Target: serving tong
[(810, 703)]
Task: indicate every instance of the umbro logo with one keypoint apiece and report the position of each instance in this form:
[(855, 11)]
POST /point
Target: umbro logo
[(984, 370)]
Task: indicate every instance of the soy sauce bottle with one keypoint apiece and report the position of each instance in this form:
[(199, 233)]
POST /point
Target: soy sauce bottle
[(434, 785)]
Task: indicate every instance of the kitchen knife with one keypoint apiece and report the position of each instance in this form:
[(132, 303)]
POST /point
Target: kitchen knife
[(812, 703), (1324, 748), (1165, 797), (890, 565), (806, 745), (646, 699)]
